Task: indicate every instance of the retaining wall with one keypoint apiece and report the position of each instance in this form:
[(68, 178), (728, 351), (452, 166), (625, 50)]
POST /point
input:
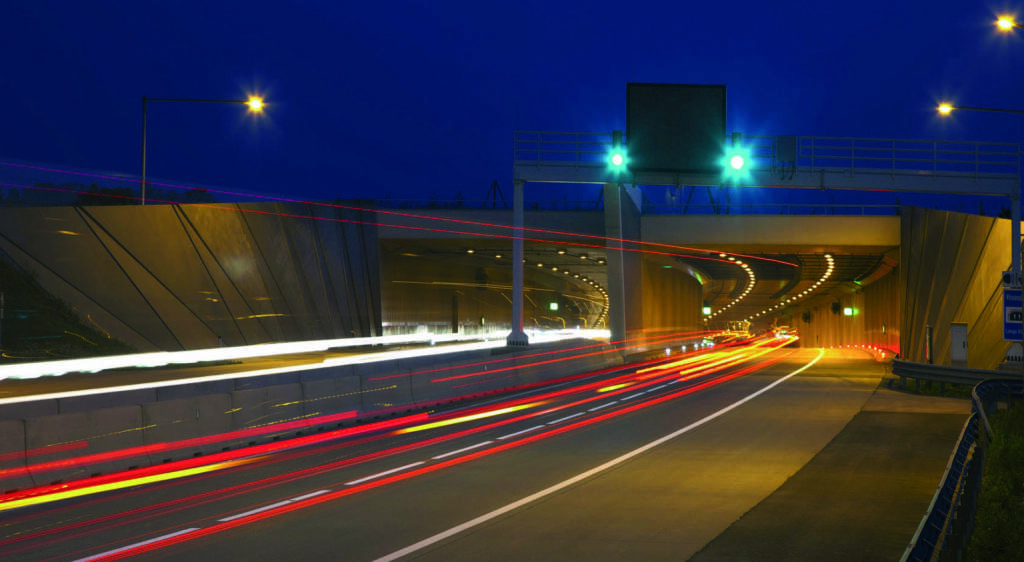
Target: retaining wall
[(56, 440)]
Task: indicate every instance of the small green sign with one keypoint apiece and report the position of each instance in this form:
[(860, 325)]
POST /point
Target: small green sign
[(552, 306)]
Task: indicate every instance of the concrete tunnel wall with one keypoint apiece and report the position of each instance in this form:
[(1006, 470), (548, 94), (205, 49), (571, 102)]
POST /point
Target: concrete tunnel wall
[(171, 277), (951, 271)]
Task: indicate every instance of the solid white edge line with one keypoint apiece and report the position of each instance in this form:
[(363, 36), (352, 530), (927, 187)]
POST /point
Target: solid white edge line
[(138, 544), (584, 475), (521, 432), (462, 450), (385, 473), (309, 495), (603, 406), (252, 511), (569, 417)]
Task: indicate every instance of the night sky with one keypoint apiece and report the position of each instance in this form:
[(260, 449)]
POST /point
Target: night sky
[(411, 99)]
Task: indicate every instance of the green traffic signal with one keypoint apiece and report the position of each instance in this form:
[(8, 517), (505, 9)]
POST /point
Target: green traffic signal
[(736, 163)]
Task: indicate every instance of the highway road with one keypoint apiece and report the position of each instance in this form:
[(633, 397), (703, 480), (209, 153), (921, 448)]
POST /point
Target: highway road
[(651, 462)]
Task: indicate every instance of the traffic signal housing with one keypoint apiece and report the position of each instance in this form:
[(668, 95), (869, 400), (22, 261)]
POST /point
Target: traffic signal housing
[(617, 156)]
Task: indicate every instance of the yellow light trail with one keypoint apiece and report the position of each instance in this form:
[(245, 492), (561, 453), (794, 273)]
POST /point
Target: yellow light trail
[(614, 387), (78, 492), (471, 417)]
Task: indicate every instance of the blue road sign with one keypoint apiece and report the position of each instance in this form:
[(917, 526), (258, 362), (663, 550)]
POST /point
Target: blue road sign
[(1013, 317)]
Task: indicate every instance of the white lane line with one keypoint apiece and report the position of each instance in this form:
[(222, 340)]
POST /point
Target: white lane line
[(521, 432), (138, 544), (632, 396), (252, 511), (462, 450), (576, 415), (603, 406), (273, 505), (309, 495), (584, 475), (657, 388), (385, 473)]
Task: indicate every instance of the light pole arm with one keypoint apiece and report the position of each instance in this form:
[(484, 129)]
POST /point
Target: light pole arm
[(989, 109)]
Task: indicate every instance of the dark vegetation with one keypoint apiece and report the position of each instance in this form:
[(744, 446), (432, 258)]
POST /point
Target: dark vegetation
[(1000, 517)]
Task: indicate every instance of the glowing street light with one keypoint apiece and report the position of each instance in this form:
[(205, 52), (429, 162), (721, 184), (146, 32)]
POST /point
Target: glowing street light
[(254, 103), (1006, 24), (946, 108)]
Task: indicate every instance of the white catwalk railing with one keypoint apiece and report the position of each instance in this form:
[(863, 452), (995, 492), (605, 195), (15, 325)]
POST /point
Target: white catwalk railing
[(786, 154)]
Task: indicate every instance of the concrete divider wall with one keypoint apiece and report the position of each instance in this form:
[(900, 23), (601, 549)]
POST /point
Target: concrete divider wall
[(80, 434), (12, 456), (171, 415), (184, 419)]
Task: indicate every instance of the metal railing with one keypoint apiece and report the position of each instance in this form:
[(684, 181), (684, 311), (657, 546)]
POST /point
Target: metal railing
[(852, 155), (945, 529), (791, 209), (489, 205), (944, 374)]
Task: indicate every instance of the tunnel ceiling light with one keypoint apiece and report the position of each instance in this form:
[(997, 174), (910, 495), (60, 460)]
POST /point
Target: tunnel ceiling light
[(497, 256), (561, 252)]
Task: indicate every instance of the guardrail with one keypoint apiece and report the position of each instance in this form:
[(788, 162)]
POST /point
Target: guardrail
[(891, 157), (943, 374), (946, 527)]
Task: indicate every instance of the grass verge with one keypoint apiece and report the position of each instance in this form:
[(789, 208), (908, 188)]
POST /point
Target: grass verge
[(1000, 518)]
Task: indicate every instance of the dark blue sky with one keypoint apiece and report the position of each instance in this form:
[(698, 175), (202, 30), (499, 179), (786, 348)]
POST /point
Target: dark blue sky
[(415, 98)]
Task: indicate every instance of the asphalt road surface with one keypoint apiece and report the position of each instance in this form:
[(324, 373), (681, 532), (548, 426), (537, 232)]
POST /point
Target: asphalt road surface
[(647, 464)]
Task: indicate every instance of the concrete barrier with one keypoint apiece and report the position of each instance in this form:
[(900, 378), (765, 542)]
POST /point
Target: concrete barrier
[(79, 436), (67, 430), (13, 474), (330, 396), (186, 419), (259, 407)]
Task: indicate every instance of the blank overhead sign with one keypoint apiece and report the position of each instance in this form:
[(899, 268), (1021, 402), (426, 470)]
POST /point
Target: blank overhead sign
[(675, 127)]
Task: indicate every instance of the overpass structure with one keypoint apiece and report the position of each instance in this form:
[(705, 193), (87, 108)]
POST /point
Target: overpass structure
[(168, 277)]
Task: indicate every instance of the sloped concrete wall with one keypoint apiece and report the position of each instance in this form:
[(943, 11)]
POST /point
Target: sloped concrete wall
[(170, 277), (951, 266)]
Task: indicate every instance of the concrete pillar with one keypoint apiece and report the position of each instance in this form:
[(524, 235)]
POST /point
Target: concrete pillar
[(622, 221), (517, 336)]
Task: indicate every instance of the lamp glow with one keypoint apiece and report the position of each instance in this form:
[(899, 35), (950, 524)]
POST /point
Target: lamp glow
[(945, 108), (1006, 23), (255, 104)]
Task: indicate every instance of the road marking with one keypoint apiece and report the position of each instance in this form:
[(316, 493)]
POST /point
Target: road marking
[(462, 450), (136, 545), (257, 510), (385, 473), (657, 388), (521, 432), (632, 396), (603, 406), (309, 495), (576, 415), (584, 475)]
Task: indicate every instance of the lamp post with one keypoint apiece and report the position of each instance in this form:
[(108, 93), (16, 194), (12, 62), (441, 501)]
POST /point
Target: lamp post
[(254, 103)]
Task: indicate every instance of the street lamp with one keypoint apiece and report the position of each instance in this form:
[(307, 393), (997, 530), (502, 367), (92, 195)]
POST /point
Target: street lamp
[(945, 108), (1006, 24), (254, 103)]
